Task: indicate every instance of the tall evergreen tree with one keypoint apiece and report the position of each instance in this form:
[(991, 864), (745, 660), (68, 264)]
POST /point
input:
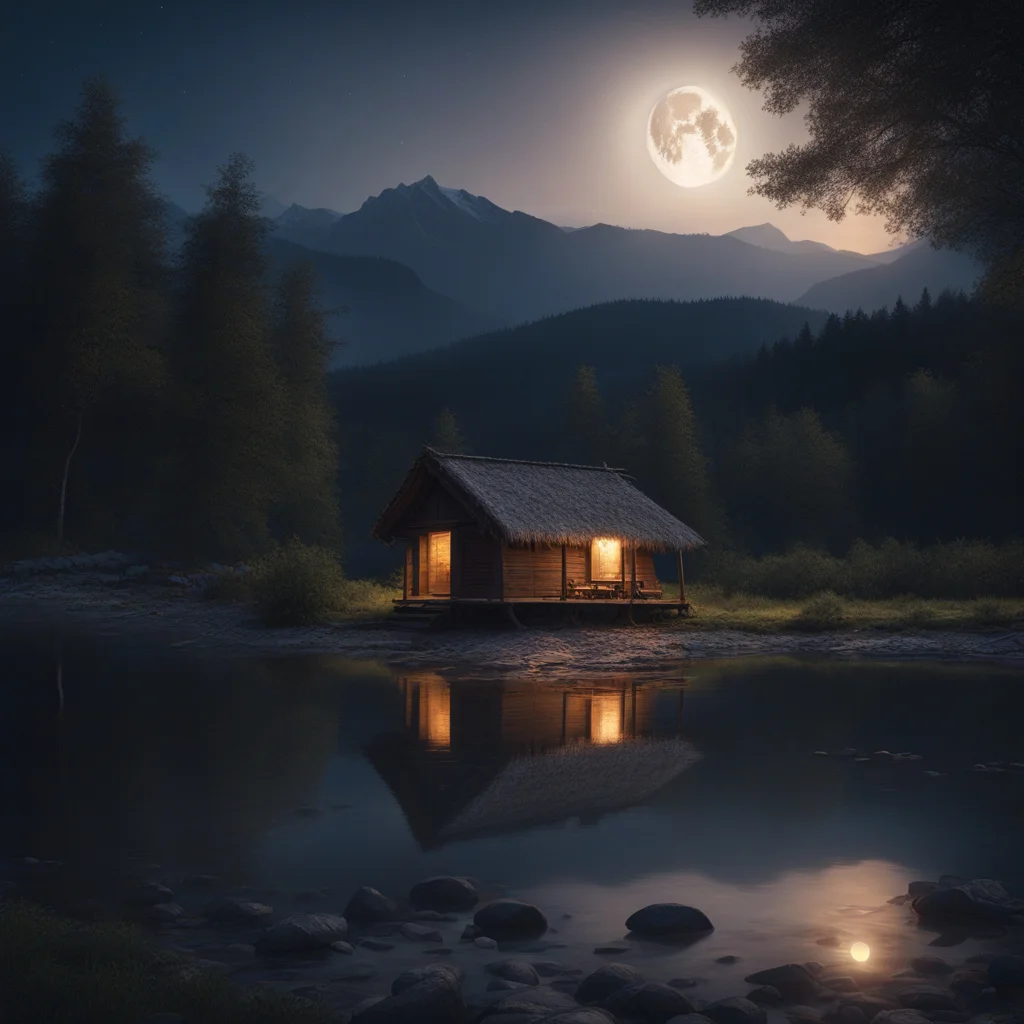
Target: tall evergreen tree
[(228, 451), (307, 505), (446, 436), (586, 428), (673, 468), (97, 271)]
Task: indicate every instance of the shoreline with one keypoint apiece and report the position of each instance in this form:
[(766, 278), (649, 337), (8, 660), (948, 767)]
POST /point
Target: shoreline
[(145, 613)]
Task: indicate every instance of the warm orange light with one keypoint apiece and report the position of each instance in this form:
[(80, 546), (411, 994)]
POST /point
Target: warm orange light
[(860, 951), (436, 714), (606, 718), (440, 562), (606, 559)]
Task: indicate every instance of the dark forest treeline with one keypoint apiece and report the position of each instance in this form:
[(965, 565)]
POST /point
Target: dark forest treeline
[(902, 423), (174, 404)]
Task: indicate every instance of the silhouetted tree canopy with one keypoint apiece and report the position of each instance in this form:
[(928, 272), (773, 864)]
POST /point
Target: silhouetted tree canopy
[(915, 110)]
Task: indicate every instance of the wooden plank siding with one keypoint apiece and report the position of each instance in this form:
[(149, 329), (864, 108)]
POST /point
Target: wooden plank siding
[(536, 571), (478, 565)]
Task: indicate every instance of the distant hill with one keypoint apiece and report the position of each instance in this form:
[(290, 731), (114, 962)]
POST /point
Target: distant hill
[(919, 267), (390, 312), (768, 236)]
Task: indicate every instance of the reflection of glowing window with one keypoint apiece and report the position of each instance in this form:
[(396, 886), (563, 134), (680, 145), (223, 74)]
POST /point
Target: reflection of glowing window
[(606, 559), (440, 563), (436, 714), (606, 718)]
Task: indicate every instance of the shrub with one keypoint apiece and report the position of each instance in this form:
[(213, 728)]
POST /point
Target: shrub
[(297, 585), (824, 611)]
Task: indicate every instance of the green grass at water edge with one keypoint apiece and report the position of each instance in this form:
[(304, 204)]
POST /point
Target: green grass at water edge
[(56, 971)]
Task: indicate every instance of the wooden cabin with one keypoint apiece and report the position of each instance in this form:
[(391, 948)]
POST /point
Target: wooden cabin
[(483, 530)]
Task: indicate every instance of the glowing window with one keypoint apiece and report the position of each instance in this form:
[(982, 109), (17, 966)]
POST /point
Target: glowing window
[(439, 554), (606, 559)]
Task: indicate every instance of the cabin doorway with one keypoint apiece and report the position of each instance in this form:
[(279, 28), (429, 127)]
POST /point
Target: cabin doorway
[(436, 564)]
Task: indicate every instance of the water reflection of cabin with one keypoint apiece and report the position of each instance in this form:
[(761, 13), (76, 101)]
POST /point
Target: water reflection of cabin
[(486, 756), (480, 530)]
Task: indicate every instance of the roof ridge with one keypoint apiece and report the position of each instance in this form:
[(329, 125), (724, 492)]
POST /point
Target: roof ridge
[(521, 462)]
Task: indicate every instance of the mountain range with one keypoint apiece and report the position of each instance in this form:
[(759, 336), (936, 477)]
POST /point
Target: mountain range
[(421, 265)]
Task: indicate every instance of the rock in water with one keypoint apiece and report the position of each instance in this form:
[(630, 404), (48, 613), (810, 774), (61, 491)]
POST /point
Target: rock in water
[(605, 980), (444, 892), (510, 917), (668, 920), (926, 998), (735, 1011), (766, 995), (978, 901), (933, 965), (587, 1015), (368, 904), (420, 932), (648, 1001), (427, 995), (302, 932), (514, 970), (794, 981)]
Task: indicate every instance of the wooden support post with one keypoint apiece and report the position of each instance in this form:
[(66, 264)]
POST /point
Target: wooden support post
[(682, 583), (632, 581), (513, 618), (565, 584)]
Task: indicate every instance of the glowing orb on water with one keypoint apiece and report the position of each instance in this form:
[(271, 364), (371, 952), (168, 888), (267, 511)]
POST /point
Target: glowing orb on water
[(860, 951)]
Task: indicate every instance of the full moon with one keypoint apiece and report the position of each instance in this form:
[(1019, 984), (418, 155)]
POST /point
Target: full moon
[(860, 951), (691, 137)]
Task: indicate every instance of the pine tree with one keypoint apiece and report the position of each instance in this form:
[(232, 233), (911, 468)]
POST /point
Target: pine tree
[(97, 271), (674, 470), (586, 429), (307, 502), (228, 452), (446, 436)]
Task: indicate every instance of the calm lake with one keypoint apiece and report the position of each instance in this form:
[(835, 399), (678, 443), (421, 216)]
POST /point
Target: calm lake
[(590, 797)]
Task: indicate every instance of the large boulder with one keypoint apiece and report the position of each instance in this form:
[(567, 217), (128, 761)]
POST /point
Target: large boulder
[(445, 892), (510, 917), (606, 980), (927, 999), (980, 900), (690, 1018), (514, 970), (368, 904), (541, 1002), (428, 995), (735, 1011), (648, 1001), (794, 981), (302, 932), (668, 920)]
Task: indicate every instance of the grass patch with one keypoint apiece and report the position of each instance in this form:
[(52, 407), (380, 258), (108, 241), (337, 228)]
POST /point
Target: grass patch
[(715, 608), (54, 971)]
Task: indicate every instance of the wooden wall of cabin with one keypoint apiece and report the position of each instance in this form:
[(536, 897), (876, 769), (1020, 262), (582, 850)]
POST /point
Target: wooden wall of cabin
[(536, 570), (478, 565)]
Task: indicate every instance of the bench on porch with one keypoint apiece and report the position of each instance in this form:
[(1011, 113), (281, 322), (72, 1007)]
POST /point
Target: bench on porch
[(615, 590)]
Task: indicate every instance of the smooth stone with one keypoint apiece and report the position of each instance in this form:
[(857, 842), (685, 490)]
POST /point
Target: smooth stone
[(538, 1001), (869, 1005), (735, 1011), (471, 932), (1006, 971), (926, 998), (794, 981), (514, 970), (842, 983), (666, 920), (970, 983), (483, 942), (606, 980), (979, 900), (430, 915), (444, 892), (690, 1018), (505, 985), (648, 1001), (900, 1017), (420, 932), (848, 1014), (507, 916), (426, 995), (238, 912), (302, 932), (550, 968), (611, 950), (368, 904), (149, 895), (682, 982), (814, 966), (803, 1015), (930, 965), (766, 995), (342, 947), (377, 945), (729, 958), (581, 1015)]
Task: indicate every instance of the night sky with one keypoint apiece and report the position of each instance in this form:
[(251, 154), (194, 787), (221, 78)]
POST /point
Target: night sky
[(540, 105)]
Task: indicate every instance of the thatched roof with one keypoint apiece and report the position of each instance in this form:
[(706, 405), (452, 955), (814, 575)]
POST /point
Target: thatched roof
[(543, 502)]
